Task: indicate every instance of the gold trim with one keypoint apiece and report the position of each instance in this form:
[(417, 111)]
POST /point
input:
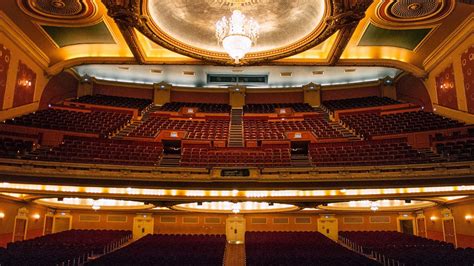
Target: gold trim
[(432, 28), (413, 21), (132, 15)]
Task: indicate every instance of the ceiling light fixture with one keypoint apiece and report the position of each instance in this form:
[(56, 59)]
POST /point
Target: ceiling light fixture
[(237, 34)]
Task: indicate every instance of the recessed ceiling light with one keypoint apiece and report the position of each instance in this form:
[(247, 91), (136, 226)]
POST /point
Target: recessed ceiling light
[(123, 68), (349, 70), (156, 71), (188, 73), (286, 74), (318, 72)]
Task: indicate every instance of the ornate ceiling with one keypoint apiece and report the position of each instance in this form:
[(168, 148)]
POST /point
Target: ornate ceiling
[(405, 34)]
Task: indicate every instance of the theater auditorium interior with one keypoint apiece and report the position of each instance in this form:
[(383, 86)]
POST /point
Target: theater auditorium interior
[(236, 132)]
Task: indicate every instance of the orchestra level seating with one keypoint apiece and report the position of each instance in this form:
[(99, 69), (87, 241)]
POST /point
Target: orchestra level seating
[(354, 103), (169, 250), (298, 248), (403, 249), (117, 101), (72, 247)]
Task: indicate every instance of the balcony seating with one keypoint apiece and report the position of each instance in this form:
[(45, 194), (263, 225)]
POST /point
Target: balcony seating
[(376, 152), (97, 122), (298, 248), (14, 148), (102, 151), (354, 103), (169, 250), (404, 249), (270, 107), (373, 124), (269, 156), (457, 149), (71, 247), (117, 101), (210, 129), (262, 129), (202, 107)]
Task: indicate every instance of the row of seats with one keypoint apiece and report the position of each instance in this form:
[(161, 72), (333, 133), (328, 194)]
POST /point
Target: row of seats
[(298, 248), (102, 151), (98, 122), (354, 103), (457, 150), (404, 249), (72, 247), (233, 157), (375, 152), (373, 124), (117, 101), (14, 148), (270, 107), (209, 129), (168, 250), (202, 107), (259, 129)]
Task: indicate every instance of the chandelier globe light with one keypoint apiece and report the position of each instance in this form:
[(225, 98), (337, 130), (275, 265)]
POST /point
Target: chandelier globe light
[(237, 34)]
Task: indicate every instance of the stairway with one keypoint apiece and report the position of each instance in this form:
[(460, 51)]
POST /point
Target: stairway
[(346, 133), (236, 129), (234, 255), (170, 160), (433, 157), (127, 130), (135, 123), (300, 160)]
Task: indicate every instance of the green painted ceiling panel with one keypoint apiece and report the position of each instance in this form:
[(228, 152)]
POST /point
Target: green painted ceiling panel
[(95, 34), (408, 39)]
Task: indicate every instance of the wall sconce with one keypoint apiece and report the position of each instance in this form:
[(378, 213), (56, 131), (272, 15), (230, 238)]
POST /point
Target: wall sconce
[(433, 219), (24, 83), (468, 218), (2, 215), (36, 216)]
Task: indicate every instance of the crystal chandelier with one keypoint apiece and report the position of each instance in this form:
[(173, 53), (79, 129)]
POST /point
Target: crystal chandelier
[(237, 34)]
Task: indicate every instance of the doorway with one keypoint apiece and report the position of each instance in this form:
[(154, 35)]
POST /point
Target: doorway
[(406, 226), (62, 222), (171, 146), (235, 229), (299, 147), (421, 226), (20, 229), (449, 231), (48, 224), (142, 225), (328, 226)]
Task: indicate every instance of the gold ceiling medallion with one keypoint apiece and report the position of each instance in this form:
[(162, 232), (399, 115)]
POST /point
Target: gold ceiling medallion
[(417, 11), (59, 11), (286, 27)]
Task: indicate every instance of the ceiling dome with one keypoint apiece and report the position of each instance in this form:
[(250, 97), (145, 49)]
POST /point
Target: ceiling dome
[(282, 23)]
